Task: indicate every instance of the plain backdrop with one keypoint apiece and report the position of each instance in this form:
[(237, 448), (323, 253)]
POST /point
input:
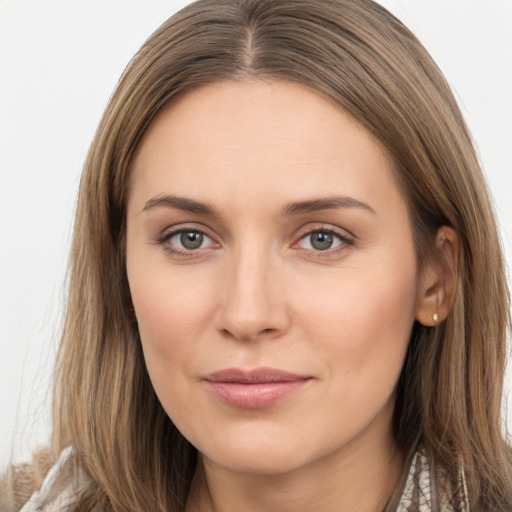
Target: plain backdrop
[(59, 62)]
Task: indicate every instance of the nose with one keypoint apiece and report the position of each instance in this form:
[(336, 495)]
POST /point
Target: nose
[(252, 303)]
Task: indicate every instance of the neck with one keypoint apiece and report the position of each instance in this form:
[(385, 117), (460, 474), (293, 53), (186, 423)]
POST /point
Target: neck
[(361, 476)]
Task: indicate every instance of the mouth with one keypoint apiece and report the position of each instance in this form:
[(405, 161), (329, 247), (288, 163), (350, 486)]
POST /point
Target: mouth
[(254, 389)]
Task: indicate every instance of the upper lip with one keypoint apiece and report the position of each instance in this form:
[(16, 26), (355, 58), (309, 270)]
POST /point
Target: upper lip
[(254, 376)]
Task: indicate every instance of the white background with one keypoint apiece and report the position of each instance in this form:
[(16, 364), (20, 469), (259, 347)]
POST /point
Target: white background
[(59, 62)]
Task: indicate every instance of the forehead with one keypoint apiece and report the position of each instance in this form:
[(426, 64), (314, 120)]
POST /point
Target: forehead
[(257, 139)]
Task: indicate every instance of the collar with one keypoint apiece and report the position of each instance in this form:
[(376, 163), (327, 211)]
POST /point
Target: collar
[(420, 493)]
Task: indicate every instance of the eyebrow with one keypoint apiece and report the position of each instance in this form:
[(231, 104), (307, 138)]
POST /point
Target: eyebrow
[(181, 203), (294, 208), (328, 203)]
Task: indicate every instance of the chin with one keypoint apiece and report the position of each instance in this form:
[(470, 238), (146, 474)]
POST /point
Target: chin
[(264, 451), (252, 451), (257, 460)]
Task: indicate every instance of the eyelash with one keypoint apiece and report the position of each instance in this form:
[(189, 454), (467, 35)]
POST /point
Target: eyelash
[(345, 241), (165, 238)]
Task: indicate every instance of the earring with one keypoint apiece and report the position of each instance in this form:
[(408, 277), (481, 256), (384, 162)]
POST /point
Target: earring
[(435, 317)]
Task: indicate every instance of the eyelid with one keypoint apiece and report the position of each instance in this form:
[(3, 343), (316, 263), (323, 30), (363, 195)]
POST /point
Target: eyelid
[(312, 227), (170, 232), (346, 238)]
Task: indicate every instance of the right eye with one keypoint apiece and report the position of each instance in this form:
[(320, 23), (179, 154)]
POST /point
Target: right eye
[(185, 241), (321, 240), (189, 240)]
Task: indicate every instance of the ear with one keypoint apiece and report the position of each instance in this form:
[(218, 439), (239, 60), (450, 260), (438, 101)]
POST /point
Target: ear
[(438, 279)]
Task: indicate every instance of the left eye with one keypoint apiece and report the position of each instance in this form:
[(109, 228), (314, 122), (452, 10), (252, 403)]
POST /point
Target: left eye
[(189, 240), (320, 241)]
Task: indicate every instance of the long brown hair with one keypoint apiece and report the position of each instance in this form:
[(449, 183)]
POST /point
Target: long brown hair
[(362, 58)]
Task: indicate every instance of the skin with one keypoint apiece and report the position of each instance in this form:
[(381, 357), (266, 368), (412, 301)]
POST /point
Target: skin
[(256, 292)]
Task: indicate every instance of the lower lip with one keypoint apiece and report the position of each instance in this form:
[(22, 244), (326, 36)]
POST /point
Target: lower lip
[(255, 395)]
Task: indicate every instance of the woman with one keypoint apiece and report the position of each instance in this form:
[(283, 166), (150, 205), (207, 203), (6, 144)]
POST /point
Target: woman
[(286, 287)]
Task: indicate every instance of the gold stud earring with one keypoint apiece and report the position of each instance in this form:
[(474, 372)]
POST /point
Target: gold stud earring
[(435, 317)]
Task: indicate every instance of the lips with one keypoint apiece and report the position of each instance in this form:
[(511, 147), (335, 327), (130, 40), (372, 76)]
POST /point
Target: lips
[(256, 388)]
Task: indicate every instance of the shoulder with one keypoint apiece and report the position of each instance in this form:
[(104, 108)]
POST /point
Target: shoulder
[(60, 490)]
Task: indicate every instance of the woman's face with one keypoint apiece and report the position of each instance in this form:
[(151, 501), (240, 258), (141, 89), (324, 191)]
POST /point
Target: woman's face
[(272, 269)]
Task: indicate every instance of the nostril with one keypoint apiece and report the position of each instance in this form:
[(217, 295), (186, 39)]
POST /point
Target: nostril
[(248, 336)]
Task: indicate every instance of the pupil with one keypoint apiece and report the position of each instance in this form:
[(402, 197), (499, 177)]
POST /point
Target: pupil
[(321, 241), (191, 240)]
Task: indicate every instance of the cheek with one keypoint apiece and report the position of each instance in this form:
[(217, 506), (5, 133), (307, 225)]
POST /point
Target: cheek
[(361, 331), (361, 324), (172, 308), (171, 313), (169, 308)]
